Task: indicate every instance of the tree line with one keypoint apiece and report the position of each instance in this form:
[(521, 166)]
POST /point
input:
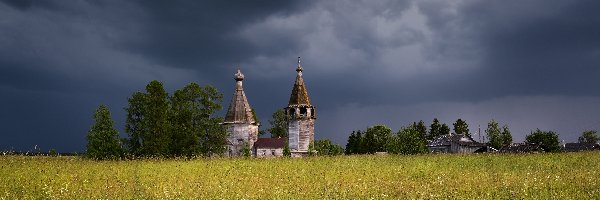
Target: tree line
[(159, 124), (413, 139)]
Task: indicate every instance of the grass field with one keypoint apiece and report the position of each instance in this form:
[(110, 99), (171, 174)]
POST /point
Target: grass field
[(486, 176)]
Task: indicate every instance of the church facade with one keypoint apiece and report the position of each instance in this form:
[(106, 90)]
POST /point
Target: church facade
[(242, 127), (239, 121), (302, 115)]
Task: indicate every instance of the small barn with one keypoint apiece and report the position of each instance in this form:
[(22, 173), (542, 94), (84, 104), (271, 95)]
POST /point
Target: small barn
[(575, 147), (455, 143), (521, 148), (269, 147)]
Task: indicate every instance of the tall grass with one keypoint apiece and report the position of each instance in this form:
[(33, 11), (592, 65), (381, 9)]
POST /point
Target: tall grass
[(487, 176)]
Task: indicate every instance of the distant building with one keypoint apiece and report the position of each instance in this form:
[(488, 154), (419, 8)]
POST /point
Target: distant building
[(301, 127), (575, 147), (239, 121), (455, 143), (269, 147), (243, 128), (521, 148)]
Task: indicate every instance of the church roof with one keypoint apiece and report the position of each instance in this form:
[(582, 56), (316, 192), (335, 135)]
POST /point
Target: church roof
[(299, 93), (239, 109), (270, 143)]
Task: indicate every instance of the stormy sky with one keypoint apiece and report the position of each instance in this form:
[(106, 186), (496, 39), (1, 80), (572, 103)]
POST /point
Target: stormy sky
[(528, 64)]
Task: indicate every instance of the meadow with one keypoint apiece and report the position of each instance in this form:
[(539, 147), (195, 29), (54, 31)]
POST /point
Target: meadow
[(485, 176)]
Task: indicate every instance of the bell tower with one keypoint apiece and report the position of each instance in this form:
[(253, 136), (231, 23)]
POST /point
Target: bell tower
[(239, 120), (302, 115)]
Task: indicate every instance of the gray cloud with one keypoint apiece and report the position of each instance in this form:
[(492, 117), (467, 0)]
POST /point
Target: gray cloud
[(527, 64)]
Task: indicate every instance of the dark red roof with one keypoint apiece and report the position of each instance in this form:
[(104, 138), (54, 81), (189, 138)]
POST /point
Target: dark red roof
[(271, 143)]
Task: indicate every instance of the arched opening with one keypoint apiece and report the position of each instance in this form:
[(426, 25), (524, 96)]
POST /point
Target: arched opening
[(312, 112), (303, 112), (292, 112)]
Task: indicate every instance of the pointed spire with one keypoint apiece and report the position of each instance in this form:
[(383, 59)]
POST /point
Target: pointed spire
[(238, 76), (239, 109), (299, 93), (299, 68)]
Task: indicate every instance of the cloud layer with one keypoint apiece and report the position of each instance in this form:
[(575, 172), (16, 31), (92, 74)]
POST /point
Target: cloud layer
[(526, 64)]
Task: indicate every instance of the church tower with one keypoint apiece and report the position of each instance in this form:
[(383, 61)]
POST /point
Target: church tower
[(239, 120), (302, 115)]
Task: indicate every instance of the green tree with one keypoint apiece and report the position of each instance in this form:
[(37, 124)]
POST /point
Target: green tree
[(421, 128), (246, 152), (103, 138), (434, 129), (361, 147), (279, 124), (286, 149), (157, 137), (311, 149), (134, 125), (325, 147), (376, 138), (444, 130), (548, 140), (255, 117), (590, 137), (461, 127), (408, 140), (506, 136), (352, 144), (195, 130), (494, 135), (213, 136)]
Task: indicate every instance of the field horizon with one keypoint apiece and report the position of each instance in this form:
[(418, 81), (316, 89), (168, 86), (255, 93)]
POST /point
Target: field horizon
[(497, 176)]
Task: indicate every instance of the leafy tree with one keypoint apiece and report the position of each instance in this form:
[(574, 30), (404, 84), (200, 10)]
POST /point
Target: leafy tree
[(494, 135), (590, 137), (361, 145), (159, 125), (444, 130), (548, 140), (286, 149), (103, 138), (156, 138), (311, 149), (279, 124), (134, 126), (376, 138), (255, 117), (408, 140), (421, 128), (192, 121), (506, 136), (246, 152), (213, 137), (434, 129), (352, 144), (326, 148), (186, 118), (195, 130), (461, 127), (53, 153)]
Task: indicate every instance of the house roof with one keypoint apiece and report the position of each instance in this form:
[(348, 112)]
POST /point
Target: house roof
[(270, 143), (239, 109), (299, 94), (460, 139), (521, 148), (571, 147)]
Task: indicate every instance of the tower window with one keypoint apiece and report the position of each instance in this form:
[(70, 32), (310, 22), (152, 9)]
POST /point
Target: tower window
[(302, 111)]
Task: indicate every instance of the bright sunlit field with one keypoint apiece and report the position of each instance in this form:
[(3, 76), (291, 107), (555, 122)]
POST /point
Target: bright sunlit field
[(487, 176)]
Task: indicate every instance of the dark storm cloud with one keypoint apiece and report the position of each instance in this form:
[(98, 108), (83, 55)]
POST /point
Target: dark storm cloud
[(202, 34), (528, 49), (365, 62)]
